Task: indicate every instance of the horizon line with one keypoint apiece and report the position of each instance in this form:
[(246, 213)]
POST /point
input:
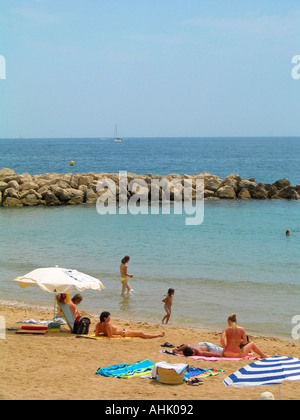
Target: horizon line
[(148, 137)]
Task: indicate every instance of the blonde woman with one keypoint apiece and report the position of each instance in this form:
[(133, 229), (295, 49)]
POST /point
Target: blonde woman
[(233, 336)]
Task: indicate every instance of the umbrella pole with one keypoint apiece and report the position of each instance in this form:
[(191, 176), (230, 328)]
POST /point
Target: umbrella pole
[(279, 392), (54, 309)]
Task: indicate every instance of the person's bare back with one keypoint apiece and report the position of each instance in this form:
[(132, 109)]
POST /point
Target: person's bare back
[(123, 270), (235, 336)]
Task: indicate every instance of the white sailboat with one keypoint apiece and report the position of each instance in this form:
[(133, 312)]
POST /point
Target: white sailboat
[(116, 138)]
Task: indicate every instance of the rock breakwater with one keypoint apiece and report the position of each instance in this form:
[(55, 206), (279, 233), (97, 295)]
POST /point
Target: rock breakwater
[(17, 190)]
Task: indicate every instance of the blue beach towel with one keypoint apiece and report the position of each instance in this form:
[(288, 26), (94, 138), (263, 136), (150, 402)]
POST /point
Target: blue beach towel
[(200, 373), (127, 370)]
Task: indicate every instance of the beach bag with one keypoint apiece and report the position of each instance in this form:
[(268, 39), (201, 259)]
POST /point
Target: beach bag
[(81, 325)]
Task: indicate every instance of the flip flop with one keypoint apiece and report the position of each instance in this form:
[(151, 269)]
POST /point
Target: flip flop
[(195, 382), (167, 345)]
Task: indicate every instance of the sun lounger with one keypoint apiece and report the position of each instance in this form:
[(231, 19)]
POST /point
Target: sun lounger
[(67, 313)]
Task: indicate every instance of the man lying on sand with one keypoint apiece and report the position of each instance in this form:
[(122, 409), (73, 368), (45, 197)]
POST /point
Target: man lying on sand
[(201, 349), (104, 327)]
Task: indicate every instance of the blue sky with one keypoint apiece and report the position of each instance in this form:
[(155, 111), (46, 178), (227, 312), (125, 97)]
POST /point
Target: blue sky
[(156, 67)]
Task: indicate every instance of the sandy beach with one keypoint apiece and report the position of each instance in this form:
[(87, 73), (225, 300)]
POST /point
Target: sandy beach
[(60, 366)]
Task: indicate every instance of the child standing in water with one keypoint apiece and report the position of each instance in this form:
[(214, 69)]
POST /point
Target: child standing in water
[(125, 275), (168, 303)]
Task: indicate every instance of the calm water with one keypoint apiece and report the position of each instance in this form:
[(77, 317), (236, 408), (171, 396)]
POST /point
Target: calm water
[(265, 159), (237, 260)]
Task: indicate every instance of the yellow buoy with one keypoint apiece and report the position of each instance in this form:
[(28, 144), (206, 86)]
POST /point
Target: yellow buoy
[(72, 163)]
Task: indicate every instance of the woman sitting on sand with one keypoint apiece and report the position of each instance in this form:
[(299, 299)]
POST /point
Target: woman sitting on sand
[(233, 336), (104, 327)]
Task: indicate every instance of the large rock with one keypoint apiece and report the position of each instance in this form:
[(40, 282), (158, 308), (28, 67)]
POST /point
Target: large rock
[(21, 179), (31, 200), (213, 184), (226, 192), (271, 190), (287, 193), (50, 198), (29, 185), (85, 180), (15, 177), (90, 196), (176, 193), (13, 184), (41, 182), (42, 190), (209, 193), (232, 180), (173, 176), (245, 183), (71, 196), (26, 193), (281, 183), (3, 185), (10, 192), (12, 202), (56, 190), (75, 200), (63, 185), (258, 191), (297, 188), (6, 173), (244, 194)]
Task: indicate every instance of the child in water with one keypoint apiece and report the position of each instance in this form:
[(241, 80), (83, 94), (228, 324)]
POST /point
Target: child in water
[(125, 275), (168, 303)]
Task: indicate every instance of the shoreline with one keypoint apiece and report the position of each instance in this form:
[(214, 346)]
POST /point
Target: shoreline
[(31, 305), (32, 366)]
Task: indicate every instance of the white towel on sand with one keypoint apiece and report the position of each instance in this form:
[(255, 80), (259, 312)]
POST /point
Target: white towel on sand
[(178, 367), (60, 321)]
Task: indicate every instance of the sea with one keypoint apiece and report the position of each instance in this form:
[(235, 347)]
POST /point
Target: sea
[(238, 260)]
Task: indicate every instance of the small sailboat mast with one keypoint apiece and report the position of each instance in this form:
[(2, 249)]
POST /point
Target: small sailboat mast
[(116, 138)]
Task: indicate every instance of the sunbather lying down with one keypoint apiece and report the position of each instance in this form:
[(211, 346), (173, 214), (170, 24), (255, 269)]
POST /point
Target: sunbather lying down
[(201, 349), (104, 327)]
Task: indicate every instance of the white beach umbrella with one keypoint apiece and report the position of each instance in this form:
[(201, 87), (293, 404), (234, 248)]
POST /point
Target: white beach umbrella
[(59, 280), (271, 371)]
